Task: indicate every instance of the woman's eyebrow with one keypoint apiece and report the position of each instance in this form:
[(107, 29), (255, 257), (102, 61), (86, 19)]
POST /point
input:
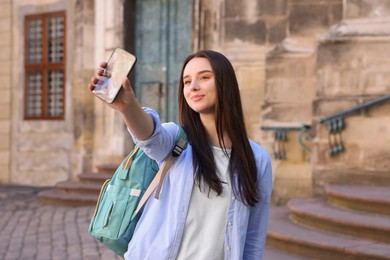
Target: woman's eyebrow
[(199, 72)]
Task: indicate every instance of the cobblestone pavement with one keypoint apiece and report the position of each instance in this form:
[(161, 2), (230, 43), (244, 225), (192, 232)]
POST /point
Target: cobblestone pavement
[(31, 230)]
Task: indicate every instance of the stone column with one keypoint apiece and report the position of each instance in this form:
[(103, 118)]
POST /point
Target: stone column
[(82, 100), (5, 89), (353, 67), (111, 140)]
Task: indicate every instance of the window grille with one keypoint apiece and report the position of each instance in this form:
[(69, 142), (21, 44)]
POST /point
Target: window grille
[(45, 66)]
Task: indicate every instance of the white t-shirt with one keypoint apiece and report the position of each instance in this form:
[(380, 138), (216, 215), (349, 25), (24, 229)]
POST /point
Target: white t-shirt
[(204, 232)]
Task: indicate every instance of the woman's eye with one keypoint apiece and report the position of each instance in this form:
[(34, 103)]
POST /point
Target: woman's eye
[(187, 82)]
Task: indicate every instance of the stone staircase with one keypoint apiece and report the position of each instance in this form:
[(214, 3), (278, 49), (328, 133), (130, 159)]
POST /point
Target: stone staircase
[(353, 222), (82, 192)]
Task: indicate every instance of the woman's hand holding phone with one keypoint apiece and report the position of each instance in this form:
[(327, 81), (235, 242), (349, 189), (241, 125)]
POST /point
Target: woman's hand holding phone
[(115, 89), (112, 73), (124, 97)]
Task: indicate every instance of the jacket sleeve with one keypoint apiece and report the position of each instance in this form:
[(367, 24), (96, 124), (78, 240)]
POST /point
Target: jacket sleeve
[(161, 142), (259, 214)]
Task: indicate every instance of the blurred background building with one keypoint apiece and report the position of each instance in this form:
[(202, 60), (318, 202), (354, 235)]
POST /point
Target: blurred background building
[(314, 79)]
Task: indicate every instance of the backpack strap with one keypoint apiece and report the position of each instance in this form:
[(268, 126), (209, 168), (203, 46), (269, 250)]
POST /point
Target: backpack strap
[(160, 175), (123, 175), (179, 147)]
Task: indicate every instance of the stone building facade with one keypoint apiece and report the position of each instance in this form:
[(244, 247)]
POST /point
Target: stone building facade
[(332, 60), (352, 69), (44, 152), (296, 61)]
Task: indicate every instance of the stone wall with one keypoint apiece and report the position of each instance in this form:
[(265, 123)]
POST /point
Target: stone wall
[(366, 9), (45, 152), (290, 87), (353, 68), (40, 150), (272, 45), (244, 31), (5, 89), (308, 18), (346, 67), (289, 73)]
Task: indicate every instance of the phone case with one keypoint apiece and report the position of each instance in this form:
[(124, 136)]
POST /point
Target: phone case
[(118, 67)]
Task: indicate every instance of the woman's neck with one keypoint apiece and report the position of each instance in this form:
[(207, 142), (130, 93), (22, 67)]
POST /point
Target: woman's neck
[(208, 122)]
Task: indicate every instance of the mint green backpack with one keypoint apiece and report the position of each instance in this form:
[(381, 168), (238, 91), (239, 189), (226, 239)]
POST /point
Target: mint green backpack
[(121, 198)]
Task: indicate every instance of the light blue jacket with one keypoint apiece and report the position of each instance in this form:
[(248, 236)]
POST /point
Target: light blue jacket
[(161, 226)]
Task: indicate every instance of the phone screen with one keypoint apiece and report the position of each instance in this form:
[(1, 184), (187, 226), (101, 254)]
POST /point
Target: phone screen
[(118, 67), (101, 85)]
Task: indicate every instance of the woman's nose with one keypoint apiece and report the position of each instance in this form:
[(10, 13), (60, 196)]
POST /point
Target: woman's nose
[(194, 85)]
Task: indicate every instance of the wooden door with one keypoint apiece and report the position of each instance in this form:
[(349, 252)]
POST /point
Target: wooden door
[(163, 36)]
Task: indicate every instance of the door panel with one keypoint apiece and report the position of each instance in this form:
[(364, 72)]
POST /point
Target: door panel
[(163, 40), (154, 96)]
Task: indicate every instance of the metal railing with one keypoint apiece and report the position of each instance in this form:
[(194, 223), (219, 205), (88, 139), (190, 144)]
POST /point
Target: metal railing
[(336, 123), (280, 138), (356, 109)]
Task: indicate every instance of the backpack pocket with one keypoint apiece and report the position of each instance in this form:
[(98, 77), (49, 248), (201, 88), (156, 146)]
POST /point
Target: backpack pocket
[(114, 213)]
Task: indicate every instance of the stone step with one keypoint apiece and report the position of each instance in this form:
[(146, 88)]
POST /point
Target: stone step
[(58, 197), (79, 187), (85, 191), (271, 253), (99, 178), (374, 199), (317, 213), (318, 244), (107, 168), (347, 177)]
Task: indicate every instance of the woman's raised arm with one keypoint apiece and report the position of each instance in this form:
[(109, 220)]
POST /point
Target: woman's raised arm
[(137, 121)]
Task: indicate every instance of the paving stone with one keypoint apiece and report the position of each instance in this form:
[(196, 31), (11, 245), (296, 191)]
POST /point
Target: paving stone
[(45, 232), (43, 257), (59, 256), (14, 247), (28, 253), (76, 257), (3, 248), (89, 257), (32, 230), (10, 256)]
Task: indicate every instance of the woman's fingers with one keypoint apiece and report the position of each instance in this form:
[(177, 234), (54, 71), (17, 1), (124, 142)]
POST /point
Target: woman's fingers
[(102, 68), (92, 83), (100, 71)]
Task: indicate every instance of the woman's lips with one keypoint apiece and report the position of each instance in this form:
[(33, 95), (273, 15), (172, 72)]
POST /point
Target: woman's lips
[(197, 97)]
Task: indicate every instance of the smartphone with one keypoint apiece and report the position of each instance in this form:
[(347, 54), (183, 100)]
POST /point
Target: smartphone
[(118, 67)]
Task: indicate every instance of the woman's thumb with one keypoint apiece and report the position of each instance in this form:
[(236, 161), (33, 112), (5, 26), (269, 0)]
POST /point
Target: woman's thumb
[(126, 84)]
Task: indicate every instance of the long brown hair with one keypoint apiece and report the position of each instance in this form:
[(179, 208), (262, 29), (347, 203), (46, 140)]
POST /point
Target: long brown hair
[(229, 118)]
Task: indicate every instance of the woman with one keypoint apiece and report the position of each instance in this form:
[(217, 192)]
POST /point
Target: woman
[(214, 203)]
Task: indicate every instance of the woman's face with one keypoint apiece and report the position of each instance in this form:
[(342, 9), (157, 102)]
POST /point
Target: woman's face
[(199, 86)]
